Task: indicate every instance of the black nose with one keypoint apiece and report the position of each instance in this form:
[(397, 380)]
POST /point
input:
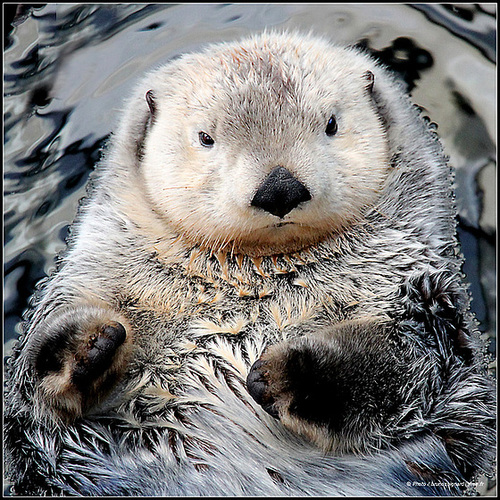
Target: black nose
[(280, 193)]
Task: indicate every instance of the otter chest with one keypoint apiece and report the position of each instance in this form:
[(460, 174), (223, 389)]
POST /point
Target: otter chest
[(237, 296)]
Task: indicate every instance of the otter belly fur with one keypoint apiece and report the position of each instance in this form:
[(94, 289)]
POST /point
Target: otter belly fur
[(261, 295)]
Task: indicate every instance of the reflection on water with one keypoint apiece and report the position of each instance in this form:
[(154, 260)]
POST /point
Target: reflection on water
[(68, 68)]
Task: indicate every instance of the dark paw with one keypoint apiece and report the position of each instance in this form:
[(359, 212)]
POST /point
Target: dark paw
[(97, 355), (79, 355), (258, 387)]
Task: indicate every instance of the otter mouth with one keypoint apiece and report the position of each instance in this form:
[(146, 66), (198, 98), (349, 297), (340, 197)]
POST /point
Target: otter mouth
[(281, 224)]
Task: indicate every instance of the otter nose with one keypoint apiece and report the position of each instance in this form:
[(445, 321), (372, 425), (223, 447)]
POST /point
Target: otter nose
[(280, 193)]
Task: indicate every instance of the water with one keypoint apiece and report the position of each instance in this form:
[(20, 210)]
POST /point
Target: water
[(68, 68)]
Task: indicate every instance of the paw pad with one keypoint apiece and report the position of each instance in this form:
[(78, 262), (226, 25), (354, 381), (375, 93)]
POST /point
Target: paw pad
[(258, 388), (97, 355)]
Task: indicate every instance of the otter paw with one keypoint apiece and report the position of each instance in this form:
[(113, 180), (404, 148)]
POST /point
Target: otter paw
[(286, 382), (334, 388), (291, 383), (80, 355)]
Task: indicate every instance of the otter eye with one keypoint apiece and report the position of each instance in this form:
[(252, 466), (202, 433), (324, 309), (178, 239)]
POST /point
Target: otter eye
[(205, 140), (331, 127)]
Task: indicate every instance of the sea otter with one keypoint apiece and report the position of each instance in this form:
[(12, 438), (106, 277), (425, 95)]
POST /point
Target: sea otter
[(262, 295)]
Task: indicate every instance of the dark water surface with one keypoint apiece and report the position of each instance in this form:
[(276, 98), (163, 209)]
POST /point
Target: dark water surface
[(68, 67)]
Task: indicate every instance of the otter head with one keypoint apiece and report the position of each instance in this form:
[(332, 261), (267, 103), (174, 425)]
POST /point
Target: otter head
[(263, 147)]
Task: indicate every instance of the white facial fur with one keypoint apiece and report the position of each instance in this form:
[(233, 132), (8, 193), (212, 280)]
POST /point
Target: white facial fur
[(265, 103)]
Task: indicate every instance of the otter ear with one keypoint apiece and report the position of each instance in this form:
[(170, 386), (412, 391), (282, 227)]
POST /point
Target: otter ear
[(146, 124), (393, 106), (375, 96), (150, 99), (370, 79)]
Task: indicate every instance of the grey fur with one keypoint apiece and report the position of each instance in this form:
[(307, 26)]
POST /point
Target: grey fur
[(180, 421)]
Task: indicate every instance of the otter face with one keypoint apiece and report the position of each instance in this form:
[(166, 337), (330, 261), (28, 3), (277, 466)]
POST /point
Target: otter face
[(264, 147)]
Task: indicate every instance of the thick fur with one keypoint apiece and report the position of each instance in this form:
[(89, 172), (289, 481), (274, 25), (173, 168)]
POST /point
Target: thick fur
[(347, 319)]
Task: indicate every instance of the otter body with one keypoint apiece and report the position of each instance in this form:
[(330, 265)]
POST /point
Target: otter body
[(261, 295)]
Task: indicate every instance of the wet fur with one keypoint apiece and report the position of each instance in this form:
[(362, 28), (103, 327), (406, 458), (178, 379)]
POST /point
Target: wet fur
[(358, 320)]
